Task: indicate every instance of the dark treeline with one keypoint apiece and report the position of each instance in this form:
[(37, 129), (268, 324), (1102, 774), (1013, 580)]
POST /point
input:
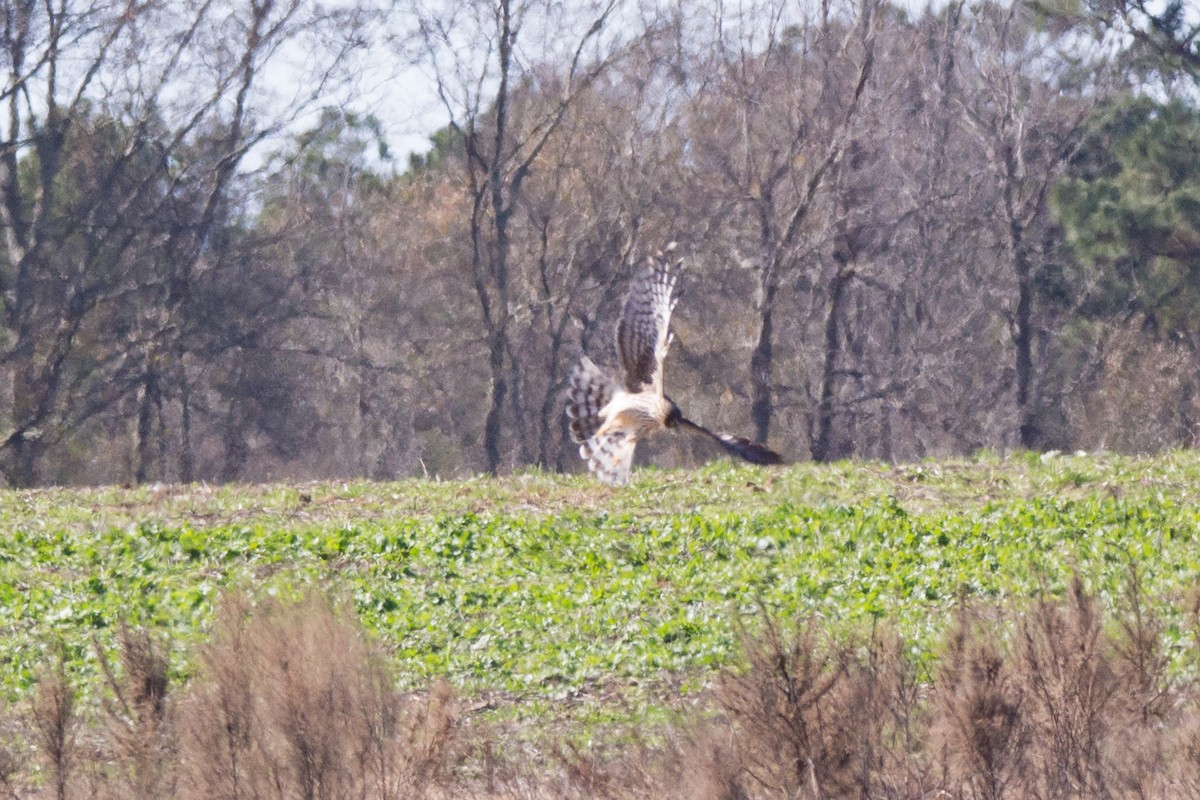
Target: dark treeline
[(907, 232)]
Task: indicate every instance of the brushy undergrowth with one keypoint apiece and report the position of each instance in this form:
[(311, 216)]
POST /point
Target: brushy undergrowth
[(1052, 698)]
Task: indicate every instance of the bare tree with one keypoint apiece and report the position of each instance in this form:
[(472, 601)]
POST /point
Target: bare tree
[(126, 126), (930, 282), (607, 191), (341, 356), (772, 132), (1027, 105), (483, 54)]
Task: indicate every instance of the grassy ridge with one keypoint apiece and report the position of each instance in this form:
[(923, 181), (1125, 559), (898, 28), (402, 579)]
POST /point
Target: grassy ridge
[(549, 588)]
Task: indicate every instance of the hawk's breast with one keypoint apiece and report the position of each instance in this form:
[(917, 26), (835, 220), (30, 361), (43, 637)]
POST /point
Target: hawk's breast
[(635, 414)]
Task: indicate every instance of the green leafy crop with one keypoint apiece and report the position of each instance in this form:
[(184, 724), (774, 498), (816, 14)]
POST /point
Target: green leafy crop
[(548, 588)]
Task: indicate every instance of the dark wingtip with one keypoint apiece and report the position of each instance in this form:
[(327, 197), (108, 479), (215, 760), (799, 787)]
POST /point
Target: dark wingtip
[(750, 451), (739, 446)]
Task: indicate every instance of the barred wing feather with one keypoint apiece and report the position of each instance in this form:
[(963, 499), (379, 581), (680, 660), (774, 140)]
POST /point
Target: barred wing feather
[(643, 337)]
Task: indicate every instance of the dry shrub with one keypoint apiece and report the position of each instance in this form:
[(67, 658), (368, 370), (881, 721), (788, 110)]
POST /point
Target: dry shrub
[(1178, 770), (11, 756), (1045, 702), (1071, 708), (980, 731), (1139, 394), (55, 722), (710, 766), (139, 734), (1073, 704), (290, 701), (594, 773), (1179, 767), (293, 701), (808, 717)]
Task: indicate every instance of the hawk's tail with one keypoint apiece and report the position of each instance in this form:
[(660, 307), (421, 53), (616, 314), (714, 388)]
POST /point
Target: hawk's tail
[(589, 391)]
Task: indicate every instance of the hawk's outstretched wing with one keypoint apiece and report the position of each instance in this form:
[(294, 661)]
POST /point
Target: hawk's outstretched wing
[(642, 333), (588, 392), (608, 452), (739, 446)]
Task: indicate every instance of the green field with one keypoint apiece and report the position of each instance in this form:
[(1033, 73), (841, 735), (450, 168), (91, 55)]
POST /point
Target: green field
[(546, 590)]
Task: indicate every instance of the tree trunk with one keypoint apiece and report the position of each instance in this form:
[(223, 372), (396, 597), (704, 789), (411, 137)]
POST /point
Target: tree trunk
[(36, 388), (822, 439), (1023, 339), (149, 409), (24, 446), (187, 455), (237, 449), (886, 434), (362, 406), (493, 423), (520, 421), (552, 417), (762, 363), (23, 466)]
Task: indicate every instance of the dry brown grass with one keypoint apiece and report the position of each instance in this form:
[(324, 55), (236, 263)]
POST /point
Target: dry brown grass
[(1072, 708), (292, 700), (54, 728)]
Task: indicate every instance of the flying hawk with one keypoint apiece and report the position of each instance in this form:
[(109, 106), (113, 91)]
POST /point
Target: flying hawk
[(606, 417)]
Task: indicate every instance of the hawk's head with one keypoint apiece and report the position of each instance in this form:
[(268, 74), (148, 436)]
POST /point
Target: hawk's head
[(674, 415)]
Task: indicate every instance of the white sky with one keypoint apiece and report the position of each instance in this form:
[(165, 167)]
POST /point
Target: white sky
[(404, 97)]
